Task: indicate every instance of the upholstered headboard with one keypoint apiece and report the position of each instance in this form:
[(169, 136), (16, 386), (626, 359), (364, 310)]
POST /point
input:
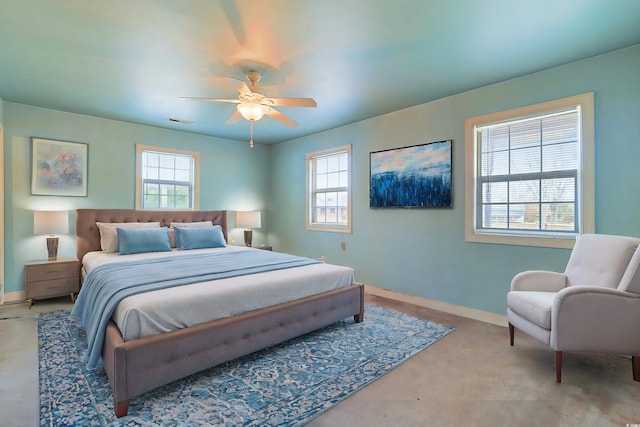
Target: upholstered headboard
[(88, 235)]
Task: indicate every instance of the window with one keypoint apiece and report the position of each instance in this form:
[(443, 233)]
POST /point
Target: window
[(530, 181), (329, 190), (166, 178)]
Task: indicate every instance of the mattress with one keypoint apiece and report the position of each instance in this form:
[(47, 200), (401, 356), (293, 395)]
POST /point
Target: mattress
[(179, 307)]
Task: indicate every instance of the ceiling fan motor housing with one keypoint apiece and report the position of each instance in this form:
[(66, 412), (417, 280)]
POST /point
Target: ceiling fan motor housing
[(253, 76)]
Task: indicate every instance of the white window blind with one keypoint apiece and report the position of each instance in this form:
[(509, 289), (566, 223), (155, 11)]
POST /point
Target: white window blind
[(529, 174)]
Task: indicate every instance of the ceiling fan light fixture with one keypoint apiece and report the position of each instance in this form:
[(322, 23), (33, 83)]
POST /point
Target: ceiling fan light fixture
[(252, 111)]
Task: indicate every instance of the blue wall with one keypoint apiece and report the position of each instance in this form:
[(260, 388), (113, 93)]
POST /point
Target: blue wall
[(417, 251), (232, 176), (422, 251)]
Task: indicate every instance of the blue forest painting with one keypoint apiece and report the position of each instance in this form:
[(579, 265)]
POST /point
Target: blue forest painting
[(418, 176)]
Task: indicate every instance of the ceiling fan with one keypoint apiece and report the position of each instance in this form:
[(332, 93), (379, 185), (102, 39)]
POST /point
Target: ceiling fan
[(253, 104)]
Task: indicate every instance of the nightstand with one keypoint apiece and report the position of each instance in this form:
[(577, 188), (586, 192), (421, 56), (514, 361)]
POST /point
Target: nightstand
[(265, 247), (48, 279)]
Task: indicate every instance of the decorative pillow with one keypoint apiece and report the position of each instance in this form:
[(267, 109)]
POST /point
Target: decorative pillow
[(172, 237), (199, 237), (109, 236), (137, 240)]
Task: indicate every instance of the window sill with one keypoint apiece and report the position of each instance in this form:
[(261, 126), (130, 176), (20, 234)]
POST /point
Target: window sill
[(329, 228), (554, 241)]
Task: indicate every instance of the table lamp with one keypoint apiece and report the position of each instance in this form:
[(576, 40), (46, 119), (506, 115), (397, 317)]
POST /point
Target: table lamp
[(51, 223), (248, 220)]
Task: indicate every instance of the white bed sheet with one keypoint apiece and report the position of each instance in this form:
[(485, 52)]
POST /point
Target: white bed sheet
[(187, 305)]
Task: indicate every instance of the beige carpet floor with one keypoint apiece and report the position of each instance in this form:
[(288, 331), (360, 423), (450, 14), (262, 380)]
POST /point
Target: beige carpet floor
[(472, 377)]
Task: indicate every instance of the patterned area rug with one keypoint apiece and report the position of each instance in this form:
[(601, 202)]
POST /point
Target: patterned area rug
[(284, 385)]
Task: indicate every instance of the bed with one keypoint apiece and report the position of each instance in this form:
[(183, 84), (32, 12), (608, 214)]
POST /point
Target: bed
[(137, 365)]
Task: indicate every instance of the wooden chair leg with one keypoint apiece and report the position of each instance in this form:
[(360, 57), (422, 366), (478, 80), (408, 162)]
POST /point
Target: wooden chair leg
[(511, 331), (558, 366), (635, 365), (121, 408)]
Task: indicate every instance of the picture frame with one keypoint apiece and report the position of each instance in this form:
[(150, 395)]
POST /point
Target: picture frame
[(418, 176), (58, 168)]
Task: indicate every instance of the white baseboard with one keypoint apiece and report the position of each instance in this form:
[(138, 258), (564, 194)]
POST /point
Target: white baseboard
[(18, 296), (483, 316)]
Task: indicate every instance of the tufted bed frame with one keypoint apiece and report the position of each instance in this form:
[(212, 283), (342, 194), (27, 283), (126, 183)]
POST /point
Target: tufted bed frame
[(140, 365)]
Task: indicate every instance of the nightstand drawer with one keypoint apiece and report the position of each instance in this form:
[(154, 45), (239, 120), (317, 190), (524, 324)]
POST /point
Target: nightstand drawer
[(52, 288), (51, 271)]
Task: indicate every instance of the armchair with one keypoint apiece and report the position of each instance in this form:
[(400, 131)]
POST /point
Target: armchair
[(594, 306)]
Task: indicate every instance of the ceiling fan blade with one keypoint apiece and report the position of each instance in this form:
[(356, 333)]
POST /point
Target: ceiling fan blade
[(293, 102), (277, 115), (193, 98), (235, 78), (243, 88), (235, 117)]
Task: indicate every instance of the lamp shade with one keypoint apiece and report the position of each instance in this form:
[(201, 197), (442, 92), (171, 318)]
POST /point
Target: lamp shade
[(249, 219), (252, 111), (50, 222)]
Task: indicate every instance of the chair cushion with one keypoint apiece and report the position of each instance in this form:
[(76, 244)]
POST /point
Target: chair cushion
[(600, 260), (533, 306)]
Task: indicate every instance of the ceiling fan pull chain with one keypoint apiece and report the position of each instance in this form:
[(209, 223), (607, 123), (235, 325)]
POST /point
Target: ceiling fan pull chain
[(251, 140)]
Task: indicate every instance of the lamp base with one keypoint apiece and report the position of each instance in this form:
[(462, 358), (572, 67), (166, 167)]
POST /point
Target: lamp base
[(52, 248), (248, 236)]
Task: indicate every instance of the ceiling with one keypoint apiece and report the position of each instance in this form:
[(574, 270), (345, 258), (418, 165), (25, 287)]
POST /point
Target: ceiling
[(132, 60)]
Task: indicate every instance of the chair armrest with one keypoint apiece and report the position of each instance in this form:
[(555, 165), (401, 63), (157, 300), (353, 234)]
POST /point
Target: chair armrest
[(596, 319), (539, 280)]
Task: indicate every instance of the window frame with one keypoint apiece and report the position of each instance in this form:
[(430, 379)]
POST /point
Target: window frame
[(141, 148), (310, 190), (585, 192)]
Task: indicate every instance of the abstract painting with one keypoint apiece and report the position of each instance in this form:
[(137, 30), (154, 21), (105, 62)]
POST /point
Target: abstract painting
[(411, 177), (59, 168)]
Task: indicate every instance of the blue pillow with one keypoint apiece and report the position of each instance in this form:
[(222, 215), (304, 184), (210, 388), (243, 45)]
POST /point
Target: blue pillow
[(199, 237), (137, 240)]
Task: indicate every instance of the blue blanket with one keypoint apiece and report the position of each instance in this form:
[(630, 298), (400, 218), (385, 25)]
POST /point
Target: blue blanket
[(105, 286)]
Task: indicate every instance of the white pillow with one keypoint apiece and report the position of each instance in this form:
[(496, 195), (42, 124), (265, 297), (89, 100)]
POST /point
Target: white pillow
[(109, 235), (192, 224), (172, 234)]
